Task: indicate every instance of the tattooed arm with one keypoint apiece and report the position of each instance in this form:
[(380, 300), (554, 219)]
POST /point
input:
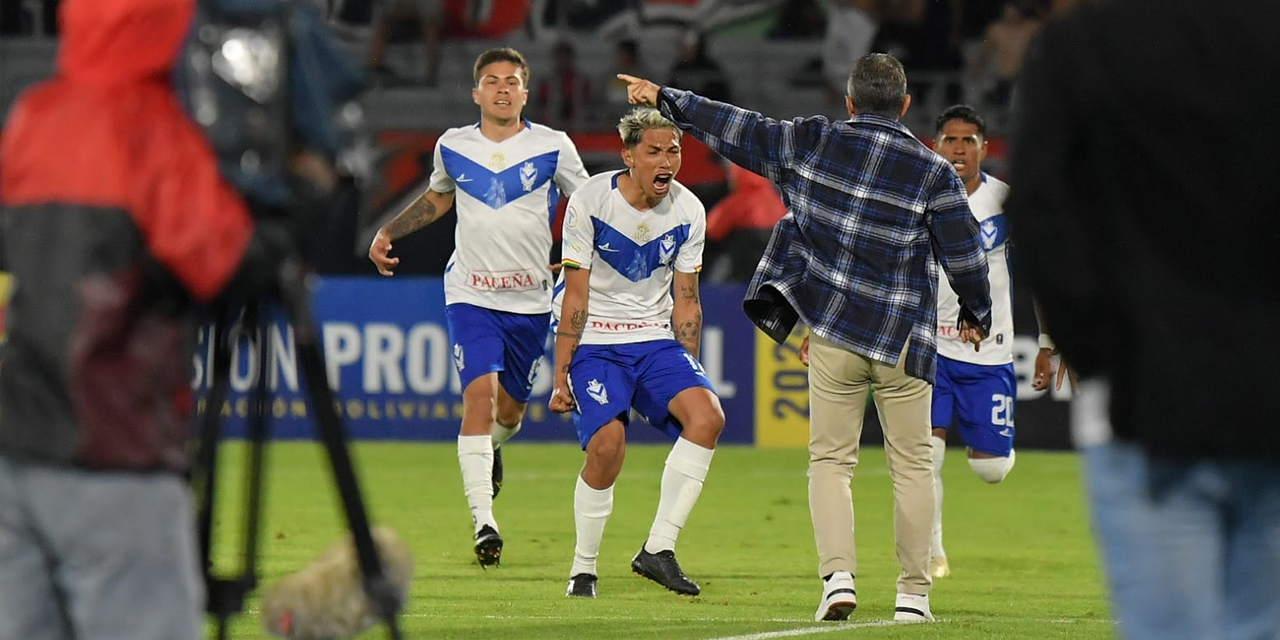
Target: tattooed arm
[(686, 316), (573, 321), (424, 210)]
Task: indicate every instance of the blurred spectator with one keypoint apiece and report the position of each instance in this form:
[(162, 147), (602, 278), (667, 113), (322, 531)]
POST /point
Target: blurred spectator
[(1147, 270), (38, 19), (1003, 44), (429, 14), (613, 92), (562, 100), (11, 19), (1057, 7), (797, 20), (851, 28), (927, 34), (697, 72), (738, 227), (936, 45)]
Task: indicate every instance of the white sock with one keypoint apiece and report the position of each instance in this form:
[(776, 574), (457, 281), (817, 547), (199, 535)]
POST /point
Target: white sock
[(475, 457), (682, 480), (591, 509), (939, 456), (502, 434)]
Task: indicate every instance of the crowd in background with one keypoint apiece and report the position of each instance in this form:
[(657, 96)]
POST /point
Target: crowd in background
[(957, 51)]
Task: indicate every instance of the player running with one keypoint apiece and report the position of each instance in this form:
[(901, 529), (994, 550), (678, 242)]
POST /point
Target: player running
[(975, 388), (503, 174)]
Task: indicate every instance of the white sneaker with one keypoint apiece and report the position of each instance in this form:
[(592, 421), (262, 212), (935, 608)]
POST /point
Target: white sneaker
[(912, 608), (838, 598)]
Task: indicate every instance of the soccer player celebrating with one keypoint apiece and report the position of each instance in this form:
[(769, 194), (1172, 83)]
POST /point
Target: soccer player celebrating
[(627, 236), (503, 174), (975, 387)]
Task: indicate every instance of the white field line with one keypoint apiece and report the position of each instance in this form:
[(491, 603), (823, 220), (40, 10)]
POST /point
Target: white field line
[(805, 631)]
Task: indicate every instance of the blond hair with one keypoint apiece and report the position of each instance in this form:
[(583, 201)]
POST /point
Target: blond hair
[(633, 125)]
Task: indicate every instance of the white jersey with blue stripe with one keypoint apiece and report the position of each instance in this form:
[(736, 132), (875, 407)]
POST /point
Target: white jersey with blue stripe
[(633, 256), (987, 204), (506, 195)]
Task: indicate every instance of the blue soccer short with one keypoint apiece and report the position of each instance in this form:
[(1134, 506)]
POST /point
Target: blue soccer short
[(980, 398), (608, 380), (483, 341)]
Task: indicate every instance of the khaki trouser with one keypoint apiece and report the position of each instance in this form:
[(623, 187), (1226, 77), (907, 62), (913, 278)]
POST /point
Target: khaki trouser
[(839, 381)]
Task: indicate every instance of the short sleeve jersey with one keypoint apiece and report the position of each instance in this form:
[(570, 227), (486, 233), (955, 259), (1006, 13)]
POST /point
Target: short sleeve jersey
[(987, 204), (633, 256), (506, 195)]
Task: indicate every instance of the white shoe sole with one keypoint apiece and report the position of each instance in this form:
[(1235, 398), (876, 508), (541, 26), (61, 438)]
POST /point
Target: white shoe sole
[(838, 610)]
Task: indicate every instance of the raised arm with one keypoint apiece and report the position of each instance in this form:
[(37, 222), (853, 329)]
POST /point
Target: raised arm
[(424, 210), (573, 321), (763, 145), (686, 313)]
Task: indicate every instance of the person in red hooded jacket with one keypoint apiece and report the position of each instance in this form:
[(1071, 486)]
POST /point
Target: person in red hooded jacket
[(116, 226), (741, 222)]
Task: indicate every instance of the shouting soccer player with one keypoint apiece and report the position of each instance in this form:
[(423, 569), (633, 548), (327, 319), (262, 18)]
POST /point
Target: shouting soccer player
[(503, 173), (627, 236), (975, 388)]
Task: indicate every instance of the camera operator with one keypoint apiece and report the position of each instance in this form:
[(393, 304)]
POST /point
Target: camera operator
[(117, 227)]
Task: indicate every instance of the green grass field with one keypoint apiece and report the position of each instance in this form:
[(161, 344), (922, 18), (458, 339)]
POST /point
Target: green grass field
[(1023, 562)]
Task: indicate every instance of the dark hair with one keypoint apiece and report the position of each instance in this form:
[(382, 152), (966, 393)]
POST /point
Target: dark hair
[(964, 113), (504, 54), (878, 85), (630, 46)]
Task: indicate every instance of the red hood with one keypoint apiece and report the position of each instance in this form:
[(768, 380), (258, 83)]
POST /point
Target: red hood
[(744, 180), (117, 41)]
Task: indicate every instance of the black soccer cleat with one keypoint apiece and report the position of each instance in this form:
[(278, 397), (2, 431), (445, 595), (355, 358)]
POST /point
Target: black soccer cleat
[(662, 568), (497, 471), (488, 546), (582, 585)]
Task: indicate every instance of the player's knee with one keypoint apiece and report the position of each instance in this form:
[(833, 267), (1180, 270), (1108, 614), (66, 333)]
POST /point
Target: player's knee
[(992, 470), (607, 446), (510, 415), (709, 422)]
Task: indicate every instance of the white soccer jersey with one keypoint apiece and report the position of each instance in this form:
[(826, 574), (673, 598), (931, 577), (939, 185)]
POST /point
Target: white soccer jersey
[(987, 204), (506, 201), (632, 256)]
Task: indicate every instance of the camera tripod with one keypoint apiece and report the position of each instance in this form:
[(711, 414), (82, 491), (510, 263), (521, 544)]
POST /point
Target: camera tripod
[(226, 596)]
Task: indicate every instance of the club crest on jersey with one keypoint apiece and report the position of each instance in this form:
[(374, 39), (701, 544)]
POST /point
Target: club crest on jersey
[(459, 361), (528, 174), (666, 249), (496, 196), (990, 232), (498, 162), (642, 233), (596, 390)]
